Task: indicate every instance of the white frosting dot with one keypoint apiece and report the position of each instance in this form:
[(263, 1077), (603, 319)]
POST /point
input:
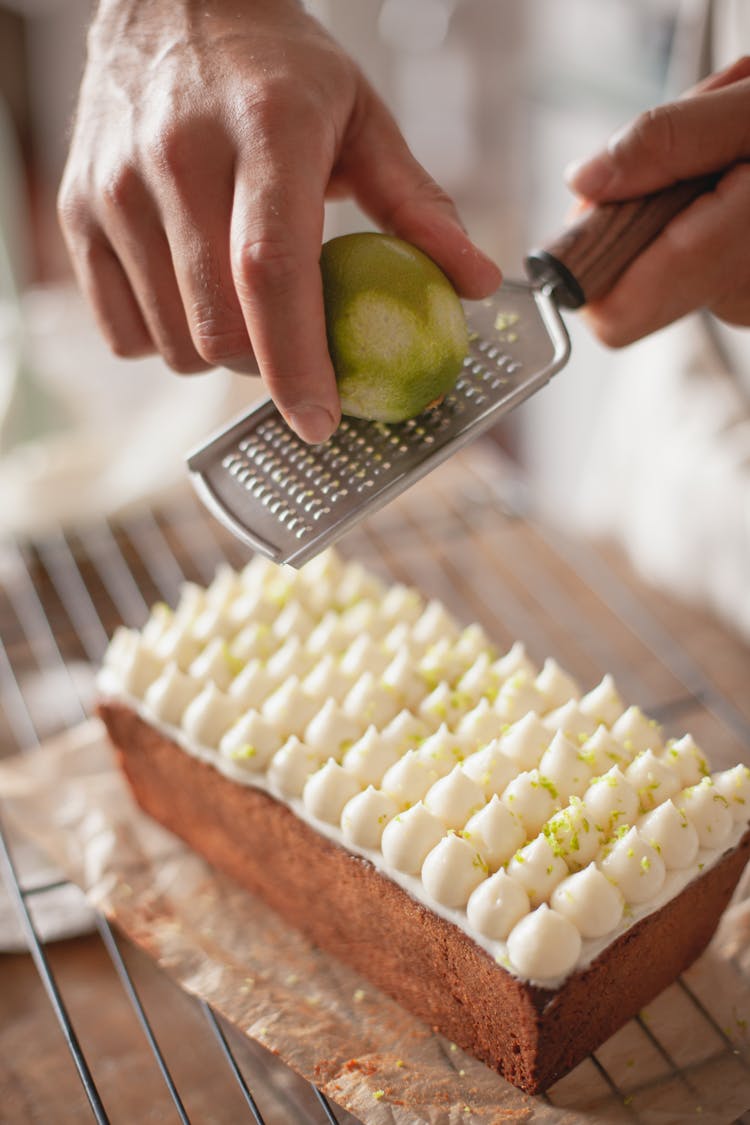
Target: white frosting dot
[(611, 801), (707, 809), (288, 708), (409, 837), (525, 741), (250, 742), (401, 678), (327, 791), (212, 664), (544, 945), (168, 696), (537, 869), (405, 732), (496, 906), (671, 833), (517, 697), (454, 798), (687, 759), (562, 764), (734, 787), (634, 866), (441, 751), (370, 756), (573, 835), (590, 901), (479, 679), (364, 655), (532, 798), (209, 715), (330, 731), (496, 832), (325, 680), (371, 702), (479, 726), (556, 685), (572, 721), (138, 666), (291, 766), (290, 660), (408, 779), (252, 686), (601, 751), (490, 768), (603, 703), (514, 660), (451, 871), (364, 817), (653, 780), (636, 732)]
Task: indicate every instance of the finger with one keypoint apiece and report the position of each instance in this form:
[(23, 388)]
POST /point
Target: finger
[(104, 283), (399, 195), (673, 142), (664, 284), (276, 234), (135, 231), (196, 212), (736, 71)]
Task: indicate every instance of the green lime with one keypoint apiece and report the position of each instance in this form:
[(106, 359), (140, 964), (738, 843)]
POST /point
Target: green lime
[(396, 330)]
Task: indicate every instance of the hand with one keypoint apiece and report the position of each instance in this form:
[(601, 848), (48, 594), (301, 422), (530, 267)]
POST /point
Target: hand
[(208, 134), (702, 258)]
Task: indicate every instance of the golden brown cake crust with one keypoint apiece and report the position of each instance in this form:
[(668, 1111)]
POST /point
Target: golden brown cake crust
[(529, 1034)]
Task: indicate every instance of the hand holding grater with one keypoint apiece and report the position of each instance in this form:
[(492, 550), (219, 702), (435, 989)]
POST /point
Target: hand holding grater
[(289, 500)]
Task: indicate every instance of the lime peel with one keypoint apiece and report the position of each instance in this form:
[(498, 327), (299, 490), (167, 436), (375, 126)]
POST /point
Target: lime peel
[(396, 329)]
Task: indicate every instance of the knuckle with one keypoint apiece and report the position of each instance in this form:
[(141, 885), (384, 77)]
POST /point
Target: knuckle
[(266, 262), (654, 133), (217, 344), (73, 210), (121, 189), (171, 149)]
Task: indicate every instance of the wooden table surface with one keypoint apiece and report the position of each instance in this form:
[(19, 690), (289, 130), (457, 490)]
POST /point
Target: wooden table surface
[(465, 535)]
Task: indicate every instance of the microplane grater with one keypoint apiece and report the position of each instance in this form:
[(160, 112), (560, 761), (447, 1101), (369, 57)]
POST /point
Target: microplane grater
[(289, 500)]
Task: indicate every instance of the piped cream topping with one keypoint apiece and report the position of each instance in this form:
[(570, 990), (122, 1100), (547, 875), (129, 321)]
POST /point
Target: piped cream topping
[(495, 793)]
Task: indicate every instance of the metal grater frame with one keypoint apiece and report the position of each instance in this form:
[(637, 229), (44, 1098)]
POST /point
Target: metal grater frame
[(289, 500)]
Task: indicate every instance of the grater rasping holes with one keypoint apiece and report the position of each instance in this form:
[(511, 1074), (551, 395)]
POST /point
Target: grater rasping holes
[(290, 500)]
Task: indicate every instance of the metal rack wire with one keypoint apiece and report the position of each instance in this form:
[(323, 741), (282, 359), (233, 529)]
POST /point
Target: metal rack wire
[(64, 595)]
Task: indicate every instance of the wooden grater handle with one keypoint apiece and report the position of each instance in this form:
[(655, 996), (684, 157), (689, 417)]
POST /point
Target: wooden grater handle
[(586, 260)]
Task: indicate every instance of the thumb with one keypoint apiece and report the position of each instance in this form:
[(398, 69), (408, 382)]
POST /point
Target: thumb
[(690, 137), (401, 197)]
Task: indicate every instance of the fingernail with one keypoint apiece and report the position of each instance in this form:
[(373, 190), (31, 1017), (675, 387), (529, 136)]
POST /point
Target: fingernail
[(313, 423), (589, 177)]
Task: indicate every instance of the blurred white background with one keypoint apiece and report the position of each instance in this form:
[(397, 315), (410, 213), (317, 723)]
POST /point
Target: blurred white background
[(495, 98)]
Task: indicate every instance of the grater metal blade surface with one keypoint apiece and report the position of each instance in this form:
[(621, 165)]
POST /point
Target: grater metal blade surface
[(289, 500)]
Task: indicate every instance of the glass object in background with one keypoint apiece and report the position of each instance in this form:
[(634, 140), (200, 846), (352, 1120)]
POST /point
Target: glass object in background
[(27, 410)]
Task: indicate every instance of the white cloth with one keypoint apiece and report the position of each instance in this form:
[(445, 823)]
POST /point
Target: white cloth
[(668, 473)]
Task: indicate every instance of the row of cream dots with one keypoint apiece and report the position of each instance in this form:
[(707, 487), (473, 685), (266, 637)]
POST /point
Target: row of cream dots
[(534, 792), (531, 795), (589, 877), (312, 709), (372, 679)]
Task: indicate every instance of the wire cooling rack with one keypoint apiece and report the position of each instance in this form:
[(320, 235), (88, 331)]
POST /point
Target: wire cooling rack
[(141, 1049)]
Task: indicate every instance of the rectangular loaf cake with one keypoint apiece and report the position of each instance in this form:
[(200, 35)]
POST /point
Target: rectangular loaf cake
[(521, 864)]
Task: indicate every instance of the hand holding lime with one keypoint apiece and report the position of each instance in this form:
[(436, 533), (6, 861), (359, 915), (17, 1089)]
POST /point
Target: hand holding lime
[(396, 329)]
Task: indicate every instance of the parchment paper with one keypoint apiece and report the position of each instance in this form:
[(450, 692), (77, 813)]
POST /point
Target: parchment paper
[(688, 1057)]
